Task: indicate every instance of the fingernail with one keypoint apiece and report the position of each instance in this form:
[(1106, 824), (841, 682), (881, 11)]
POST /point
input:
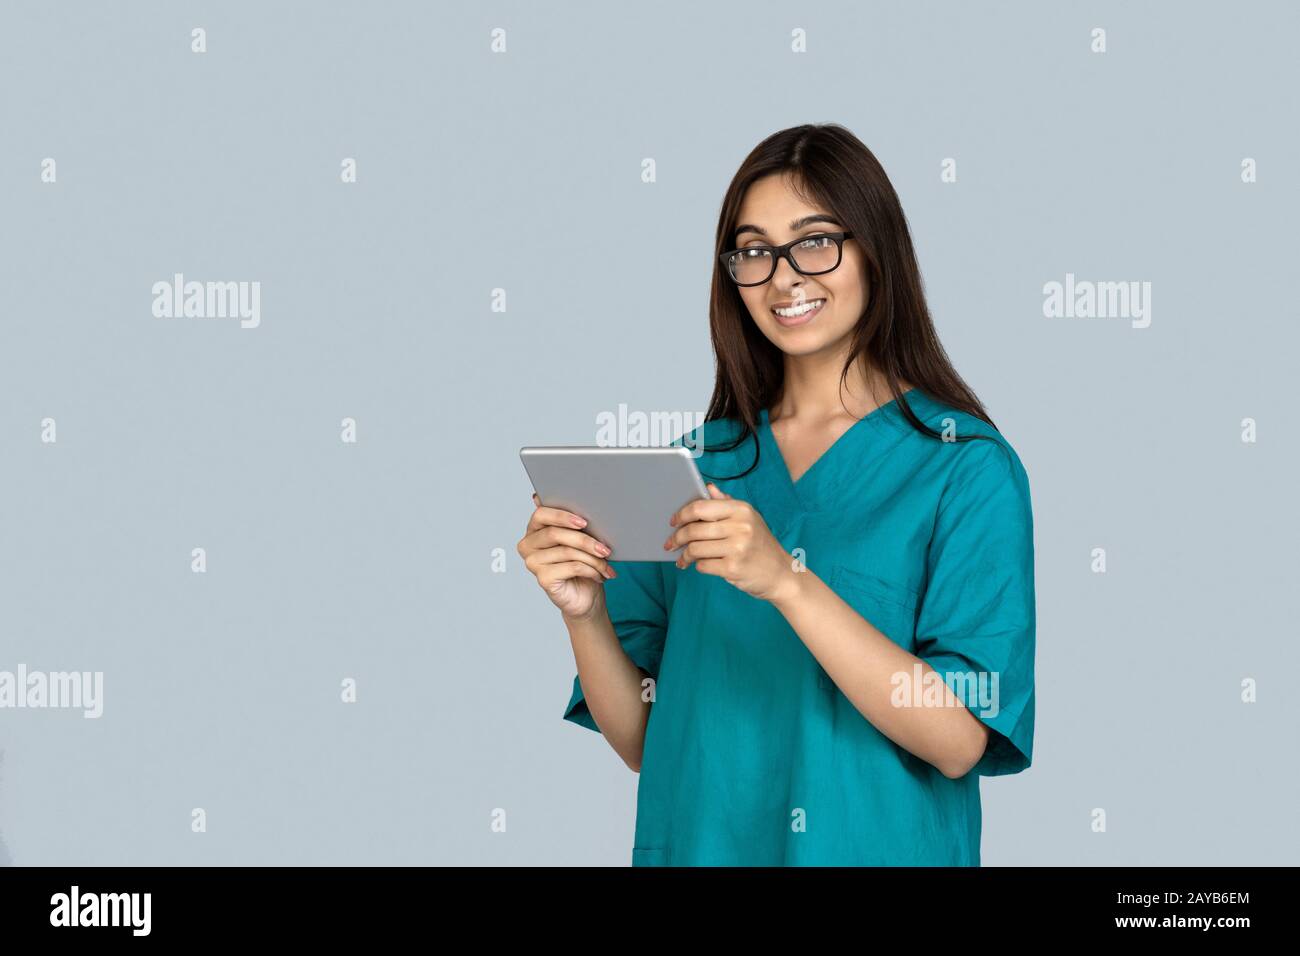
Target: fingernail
[(578, 522), (603, 549)]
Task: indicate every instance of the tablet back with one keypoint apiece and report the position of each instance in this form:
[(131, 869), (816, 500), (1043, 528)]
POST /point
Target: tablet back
[(627, 495)]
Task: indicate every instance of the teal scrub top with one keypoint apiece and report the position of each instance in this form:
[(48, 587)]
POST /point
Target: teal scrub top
[(753, 756)]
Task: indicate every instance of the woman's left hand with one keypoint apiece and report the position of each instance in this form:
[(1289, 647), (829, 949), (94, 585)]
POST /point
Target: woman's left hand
[(729, 538)]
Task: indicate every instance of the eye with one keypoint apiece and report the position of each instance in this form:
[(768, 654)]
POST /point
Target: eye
[(814, 243)]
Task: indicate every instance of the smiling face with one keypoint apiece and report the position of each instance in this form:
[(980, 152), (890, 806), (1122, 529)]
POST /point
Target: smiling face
[(772, 214)]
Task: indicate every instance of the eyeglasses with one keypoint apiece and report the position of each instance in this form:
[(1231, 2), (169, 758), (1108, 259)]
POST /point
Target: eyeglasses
[(810, 256)]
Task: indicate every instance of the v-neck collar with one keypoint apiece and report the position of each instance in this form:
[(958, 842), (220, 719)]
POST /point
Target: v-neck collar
[(785, 499)]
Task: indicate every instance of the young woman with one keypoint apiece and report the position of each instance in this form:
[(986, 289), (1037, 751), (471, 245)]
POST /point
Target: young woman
[(846, 643)]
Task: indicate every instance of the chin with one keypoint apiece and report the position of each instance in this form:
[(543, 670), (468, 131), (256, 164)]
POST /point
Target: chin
[(800, 342)]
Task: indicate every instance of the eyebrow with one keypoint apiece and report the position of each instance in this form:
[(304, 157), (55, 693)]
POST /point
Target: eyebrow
[(794, 226)]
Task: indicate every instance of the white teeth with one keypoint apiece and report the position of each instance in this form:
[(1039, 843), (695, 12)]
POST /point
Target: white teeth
[(799, 309)]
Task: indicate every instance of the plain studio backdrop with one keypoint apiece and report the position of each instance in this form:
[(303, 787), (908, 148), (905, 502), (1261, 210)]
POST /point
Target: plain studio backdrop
[(519, 175)]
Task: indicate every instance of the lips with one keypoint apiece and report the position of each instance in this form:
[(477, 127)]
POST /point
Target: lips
[(802, 318), (793, 303)]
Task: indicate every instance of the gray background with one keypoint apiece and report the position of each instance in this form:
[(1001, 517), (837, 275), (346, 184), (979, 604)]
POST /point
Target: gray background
[(522, 171)]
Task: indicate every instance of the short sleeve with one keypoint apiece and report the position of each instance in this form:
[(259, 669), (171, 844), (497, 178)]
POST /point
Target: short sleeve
[(976, 626), (637, 600)]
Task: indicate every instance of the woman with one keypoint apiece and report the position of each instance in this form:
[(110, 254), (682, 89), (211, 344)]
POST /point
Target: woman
[(846, 643)]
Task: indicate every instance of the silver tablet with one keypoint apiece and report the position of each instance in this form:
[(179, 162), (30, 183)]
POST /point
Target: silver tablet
[(627, 495)]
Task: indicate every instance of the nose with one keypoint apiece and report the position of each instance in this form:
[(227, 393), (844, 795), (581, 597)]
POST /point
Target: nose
[(785, 276)]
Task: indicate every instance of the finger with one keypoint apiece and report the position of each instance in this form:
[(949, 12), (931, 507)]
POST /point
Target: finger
[(551, 535), (696, 531), (559, 573), (544, 516), (702, 549), (714, 566), (716, 491), (702, 509), (563, 554)]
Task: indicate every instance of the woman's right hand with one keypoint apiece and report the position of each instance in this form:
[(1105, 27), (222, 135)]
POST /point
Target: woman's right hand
[(569, 564)]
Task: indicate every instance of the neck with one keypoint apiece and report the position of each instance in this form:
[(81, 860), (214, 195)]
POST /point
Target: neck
[(812, 389)]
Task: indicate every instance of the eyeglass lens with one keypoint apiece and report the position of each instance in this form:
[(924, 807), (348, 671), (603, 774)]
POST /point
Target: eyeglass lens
[(815, 254)]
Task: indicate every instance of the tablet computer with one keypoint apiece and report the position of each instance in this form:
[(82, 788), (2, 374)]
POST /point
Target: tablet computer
[(627, 495)]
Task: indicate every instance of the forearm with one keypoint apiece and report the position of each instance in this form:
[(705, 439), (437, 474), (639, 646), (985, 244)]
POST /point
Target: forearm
[(863, 663), (611, 683)]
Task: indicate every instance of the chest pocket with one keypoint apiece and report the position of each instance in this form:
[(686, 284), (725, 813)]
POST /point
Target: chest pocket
[(890, 607)]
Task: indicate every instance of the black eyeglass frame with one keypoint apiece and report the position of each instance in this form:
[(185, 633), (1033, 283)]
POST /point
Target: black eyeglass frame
[(783, 252)]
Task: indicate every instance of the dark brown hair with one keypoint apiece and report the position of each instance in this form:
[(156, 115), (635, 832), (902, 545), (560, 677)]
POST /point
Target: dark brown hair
[(829, 167)]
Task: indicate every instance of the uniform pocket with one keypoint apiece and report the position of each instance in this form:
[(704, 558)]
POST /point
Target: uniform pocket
[(649, 856), (889, 606), (904, 597)]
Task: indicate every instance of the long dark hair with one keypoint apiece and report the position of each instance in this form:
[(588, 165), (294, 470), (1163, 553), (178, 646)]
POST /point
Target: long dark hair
[(829, 167)]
